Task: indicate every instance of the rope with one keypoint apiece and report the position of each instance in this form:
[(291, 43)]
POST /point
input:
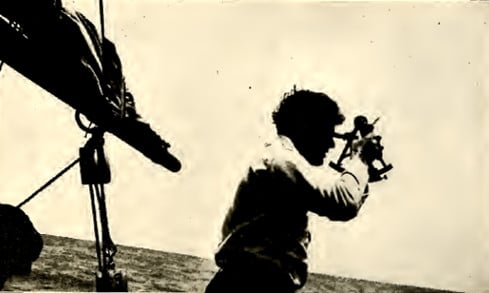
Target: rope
[(49, 182), (95, 225)]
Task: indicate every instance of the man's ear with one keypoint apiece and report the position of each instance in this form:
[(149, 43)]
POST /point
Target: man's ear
[(294, 134), (300, 128)]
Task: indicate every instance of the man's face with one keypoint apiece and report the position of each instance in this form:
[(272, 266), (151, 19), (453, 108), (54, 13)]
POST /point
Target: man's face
[(313, 145)]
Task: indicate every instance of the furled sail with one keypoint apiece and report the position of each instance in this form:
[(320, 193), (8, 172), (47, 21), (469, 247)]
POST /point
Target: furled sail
[(62, 52)]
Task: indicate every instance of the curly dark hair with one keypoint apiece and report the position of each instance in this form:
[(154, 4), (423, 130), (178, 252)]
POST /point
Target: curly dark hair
[(313, 109)]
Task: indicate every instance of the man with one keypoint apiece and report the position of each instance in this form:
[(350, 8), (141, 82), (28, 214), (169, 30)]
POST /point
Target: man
[(20, 243), (265, 234)]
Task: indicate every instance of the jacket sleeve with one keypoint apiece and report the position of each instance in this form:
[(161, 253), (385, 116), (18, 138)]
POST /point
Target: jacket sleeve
[(340, 199)]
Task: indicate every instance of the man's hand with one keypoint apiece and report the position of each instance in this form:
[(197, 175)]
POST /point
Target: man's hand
[(368, 148)]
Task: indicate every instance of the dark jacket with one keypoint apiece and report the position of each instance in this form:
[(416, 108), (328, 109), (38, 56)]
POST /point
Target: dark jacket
[(267, 223)]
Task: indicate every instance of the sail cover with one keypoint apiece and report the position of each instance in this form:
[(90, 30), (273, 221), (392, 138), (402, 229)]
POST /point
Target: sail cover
[(61, 51)]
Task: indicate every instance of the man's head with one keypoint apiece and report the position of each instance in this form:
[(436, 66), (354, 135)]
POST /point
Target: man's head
[(309, 120)]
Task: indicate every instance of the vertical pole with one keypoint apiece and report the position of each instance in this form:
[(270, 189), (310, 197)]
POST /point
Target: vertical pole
[(102, 18)]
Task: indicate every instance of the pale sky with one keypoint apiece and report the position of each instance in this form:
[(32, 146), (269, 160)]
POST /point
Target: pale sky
[(206, 75)]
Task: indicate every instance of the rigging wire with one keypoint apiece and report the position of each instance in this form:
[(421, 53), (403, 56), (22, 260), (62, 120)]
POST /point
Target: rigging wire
[(49, 182), (102, 19)]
